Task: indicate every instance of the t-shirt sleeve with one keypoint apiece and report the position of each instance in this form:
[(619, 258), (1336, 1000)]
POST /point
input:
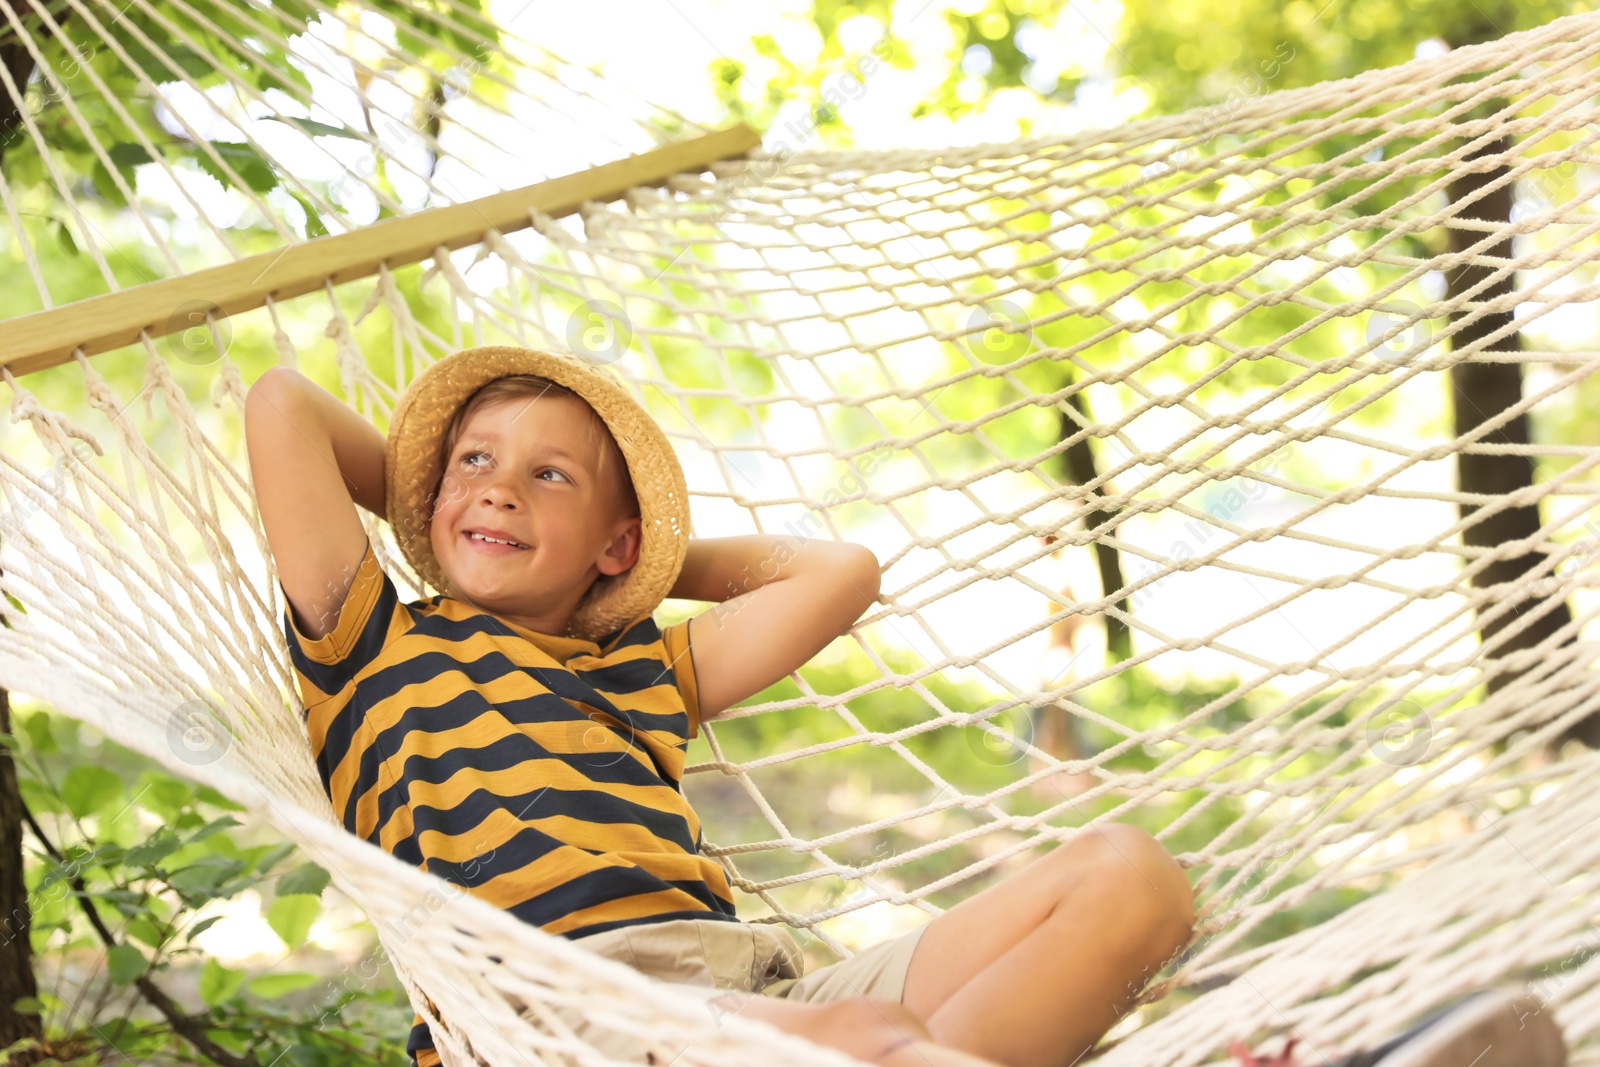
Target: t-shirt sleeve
[(419, 1044), (327, 664), (680, 657)]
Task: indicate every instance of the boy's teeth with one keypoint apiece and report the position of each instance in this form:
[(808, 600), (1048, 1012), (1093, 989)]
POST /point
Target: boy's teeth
[(491, 540)]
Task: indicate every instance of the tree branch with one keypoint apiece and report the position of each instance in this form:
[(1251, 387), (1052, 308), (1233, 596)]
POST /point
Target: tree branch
[(191, 1028)]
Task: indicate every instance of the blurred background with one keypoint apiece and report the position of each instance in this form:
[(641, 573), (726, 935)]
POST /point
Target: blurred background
[(138, 880)]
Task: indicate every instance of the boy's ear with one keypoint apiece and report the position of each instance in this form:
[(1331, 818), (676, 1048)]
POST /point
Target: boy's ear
[(623, 551)]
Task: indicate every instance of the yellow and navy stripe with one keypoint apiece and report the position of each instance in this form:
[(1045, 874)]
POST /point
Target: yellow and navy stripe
[(541, 773)]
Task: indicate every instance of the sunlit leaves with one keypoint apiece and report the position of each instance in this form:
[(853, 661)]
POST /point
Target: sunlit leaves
[(291, 917), (158, 849), (308, 878), (88, 788)]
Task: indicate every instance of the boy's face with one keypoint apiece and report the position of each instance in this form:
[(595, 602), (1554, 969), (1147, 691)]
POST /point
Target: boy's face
[(529, 468)]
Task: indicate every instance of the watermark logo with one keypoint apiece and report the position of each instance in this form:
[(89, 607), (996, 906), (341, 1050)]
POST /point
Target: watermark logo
[(198, 333), (37, 97), (1399, 332), (998, 331), (600, 740), (197, 734), (599, 331), (1003, 738), (1400, 735)]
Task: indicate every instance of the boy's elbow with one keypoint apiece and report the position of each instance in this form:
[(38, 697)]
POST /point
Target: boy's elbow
[(272, 401), (272, 384), (866, 574), (265, 390)]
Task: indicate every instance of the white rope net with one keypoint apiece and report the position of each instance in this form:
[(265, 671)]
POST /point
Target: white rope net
[(1219, 348)]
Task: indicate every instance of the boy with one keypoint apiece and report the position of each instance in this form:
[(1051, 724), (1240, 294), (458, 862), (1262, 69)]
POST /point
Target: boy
[(523, 734)]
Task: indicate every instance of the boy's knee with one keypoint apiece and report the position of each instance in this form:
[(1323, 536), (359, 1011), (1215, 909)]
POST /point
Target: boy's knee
[(1130, 864)]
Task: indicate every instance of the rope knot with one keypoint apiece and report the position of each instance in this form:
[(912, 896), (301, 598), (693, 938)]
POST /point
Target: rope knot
[(97, 391), (230, 383), (25, 406)]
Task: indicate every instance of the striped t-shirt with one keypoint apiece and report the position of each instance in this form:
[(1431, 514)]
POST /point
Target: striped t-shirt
[(538, 772)]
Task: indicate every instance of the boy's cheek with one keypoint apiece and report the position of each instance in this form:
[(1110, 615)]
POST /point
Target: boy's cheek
[(451, 491)]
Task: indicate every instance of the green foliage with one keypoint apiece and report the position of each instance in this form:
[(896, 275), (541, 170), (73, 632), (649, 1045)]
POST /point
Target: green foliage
[(990, 50), (306, 878), (124, 117), (155, 858), (1163, 51)]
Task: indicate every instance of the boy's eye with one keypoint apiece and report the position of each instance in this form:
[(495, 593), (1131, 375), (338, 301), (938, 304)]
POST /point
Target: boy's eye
[(467, 457)]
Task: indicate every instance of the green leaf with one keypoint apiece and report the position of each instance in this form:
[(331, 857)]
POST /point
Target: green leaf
[(191, 62), (234, 1042), (218, 983), (314, 225), (291, 918), (108, 856), (64, 235), (307, 1055), (89, 788), (284, 78), (125, 963), (128, 154), (276, 985), (146, 932), (272, 856), (126, 900), (222, 822), (315, 129), (200, 927), (186, 59), (204, 877), (217, 800), (37, 727), (157, 847), (38, 797), (100, 177), (306, 878), (27, 1006), (251, 166), (10, 742)]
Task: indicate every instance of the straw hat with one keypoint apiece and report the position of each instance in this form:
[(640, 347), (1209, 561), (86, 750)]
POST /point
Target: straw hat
[(412, 474)]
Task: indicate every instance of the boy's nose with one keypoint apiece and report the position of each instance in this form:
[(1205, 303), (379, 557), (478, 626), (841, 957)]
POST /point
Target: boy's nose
[(498, 495)]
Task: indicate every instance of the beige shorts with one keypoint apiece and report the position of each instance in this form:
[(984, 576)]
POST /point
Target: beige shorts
[(714, 956)]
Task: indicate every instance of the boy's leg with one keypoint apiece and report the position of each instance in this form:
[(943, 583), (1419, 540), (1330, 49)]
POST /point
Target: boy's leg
[(1033, 971), (869, 1029)]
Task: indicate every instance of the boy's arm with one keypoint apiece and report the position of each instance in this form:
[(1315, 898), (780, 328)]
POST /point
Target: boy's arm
[(783, 601), (312, 459)]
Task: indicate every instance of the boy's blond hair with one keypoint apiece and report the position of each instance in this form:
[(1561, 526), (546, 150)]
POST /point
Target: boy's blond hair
[(529, 385)]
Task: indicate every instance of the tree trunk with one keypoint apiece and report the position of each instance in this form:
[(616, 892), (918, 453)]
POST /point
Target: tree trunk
[(19, 64), (16, 951), (1079, 462), (1481, 392)]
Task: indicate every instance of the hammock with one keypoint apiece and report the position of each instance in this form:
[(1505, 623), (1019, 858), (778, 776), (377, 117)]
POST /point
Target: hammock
[(1113, 409)]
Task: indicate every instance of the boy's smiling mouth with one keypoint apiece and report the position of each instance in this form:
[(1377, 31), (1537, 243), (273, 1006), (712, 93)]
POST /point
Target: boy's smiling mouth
[(495, 541)]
